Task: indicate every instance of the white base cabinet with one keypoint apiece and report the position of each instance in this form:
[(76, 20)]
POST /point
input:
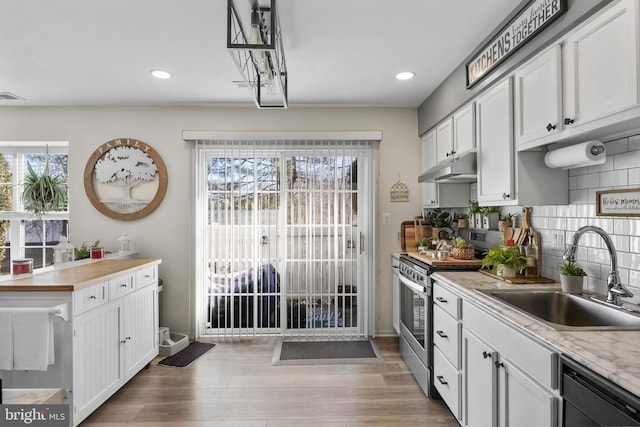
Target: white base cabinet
[(115, 335)]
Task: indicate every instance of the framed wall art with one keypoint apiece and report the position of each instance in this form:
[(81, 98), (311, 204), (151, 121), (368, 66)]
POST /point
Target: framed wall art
[(125, 179), (618, 202)]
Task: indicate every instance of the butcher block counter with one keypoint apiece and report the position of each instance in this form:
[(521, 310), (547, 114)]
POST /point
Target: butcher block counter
[(76, 277)]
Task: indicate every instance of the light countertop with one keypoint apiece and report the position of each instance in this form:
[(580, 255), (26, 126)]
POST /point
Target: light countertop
[(613, 354), (74, 278), (33, 396)]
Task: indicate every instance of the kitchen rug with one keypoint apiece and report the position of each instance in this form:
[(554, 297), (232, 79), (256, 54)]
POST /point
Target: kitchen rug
[(188, 355), (326, 352)]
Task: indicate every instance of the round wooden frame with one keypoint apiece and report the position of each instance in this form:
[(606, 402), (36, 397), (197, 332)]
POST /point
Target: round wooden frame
[(133, 143)]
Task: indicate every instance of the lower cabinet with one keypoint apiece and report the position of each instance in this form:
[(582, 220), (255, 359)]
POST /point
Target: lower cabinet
[(502, 376), (111, 343)]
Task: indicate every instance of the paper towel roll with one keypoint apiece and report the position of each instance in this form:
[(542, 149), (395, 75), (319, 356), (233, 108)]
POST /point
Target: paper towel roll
[(577, 156)]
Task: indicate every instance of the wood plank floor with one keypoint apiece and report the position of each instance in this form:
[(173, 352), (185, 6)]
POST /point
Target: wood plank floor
[(235, 384)]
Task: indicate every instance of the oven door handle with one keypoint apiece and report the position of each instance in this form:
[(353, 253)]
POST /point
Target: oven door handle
[(414, 287)]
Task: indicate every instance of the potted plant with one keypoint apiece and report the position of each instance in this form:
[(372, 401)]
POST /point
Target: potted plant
[(438, 219), (462, 249), (572, 278), (505, 221), (504, 260), (45, 191), (96, 250), (82, 252), (489, 217), (474, 214), (423, 245), (463, 220)]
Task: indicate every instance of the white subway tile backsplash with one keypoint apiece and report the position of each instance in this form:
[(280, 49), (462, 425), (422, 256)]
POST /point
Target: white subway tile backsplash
[(633, 177), (634, 143), (621, 243), (629, 260), (579, 171), (573, 183), (621, 226), (614, 178), (559, 223), (567, 211), (617, 146), (634, 244), (604, 167), (585, 210), (589, 180), (630, 159), (599, 256), (578, 196)]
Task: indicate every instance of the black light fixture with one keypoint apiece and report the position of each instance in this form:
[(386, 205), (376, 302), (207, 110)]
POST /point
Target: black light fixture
[(259, 55)]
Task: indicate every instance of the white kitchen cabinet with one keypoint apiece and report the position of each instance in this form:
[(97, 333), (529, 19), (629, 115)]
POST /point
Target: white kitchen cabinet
[(435, 195), (444, 140), (504, 176), (601, 65), (140, 329), (395, 286), (447, 347), (464, 129), (97, 355), (508, 378), (114, 337), (494, 135), (538, 97)]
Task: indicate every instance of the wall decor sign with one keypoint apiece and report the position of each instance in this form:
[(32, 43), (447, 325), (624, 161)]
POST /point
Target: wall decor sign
[(618, 202), (533, 18), (125, 179)]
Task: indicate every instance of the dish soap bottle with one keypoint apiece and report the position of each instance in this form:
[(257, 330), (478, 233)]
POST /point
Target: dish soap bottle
[(531, 270)]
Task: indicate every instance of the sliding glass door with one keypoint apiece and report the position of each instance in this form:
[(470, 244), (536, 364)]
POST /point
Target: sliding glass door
[(284, 238)]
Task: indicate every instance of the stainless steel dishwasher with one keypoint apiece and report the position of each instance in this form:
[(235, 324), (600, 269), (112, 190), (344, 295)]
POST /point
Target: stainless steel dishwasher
[(592, 400)]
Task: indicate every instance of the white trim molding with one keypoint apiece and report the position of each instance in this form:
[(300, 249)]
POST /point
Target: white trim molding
[(205, 135)]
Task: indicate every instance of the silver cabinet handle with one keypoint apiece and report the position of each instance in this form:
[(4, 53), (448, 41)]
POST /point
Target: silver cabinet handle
[(441, 380), (441, 334), (442, 300)]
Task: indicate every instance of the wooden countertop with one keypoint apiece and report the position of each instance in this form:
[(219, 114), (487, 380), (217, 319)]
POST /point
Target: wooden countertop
[(449, 262), (74, 278)]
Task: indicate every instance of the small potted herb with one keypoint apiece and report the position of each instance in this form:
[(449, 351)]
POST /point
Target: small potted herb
[(462, 249), (489, 217), (96, 250), (504, 260), (475, 217), (505, 221), (572, 278), (463, 220)]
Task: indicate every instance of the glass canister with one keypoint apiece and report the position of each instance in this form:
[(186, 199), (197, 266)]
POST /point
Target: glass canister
[(22, 266)]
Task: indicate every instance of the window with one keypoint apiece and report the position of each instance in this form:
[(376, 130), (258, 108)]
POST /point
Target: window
[(23, 235)]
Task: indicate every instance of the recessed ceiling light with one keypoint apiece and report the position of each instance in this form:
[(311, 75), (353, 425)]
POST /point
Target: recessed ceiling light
[(405, 75), (160, 74)]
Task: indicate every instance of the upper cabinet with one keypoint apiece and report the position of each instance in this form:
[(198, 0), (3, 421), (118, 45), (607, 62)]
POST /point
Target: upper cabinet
[(456, 135), (584, 86), (506, 177), (538, 97), (601, 65), (444, 140), (495, 144), (439, 195)]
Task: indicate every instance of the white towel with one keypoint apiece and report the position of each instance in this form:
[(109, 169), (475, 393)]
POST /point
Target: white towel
[(6, 341), (32, 341)]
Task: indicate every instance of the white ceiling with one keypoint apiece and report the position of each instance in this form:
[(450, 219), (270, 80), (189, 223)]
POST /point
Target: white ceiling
[(338, 52)]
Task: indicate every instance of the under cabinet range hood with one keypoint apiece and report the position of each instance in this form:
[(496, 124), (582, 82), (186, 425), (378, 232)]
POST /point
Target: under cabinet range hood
[(458, 170)]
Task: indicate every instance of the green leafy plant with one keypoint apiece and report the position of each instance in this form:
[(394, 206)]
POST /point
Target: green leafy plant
[(44, 192), (572, 269), (507, 217), (96, 244), (438, 218), (460, 243), (488, 209), (82, 252), (423, 242), (474, 207), (508, 256), (461, 216)]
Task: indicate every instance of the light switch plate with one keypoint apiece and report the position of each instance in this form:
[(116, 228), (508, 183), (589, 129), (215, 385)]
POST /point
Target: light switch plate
[(386, 218), (557, 241)]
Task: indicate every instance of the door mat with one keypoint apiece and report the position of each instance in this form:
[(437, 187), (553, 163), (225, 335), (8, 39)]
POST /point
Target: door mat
[(326, 352), (188, 355)]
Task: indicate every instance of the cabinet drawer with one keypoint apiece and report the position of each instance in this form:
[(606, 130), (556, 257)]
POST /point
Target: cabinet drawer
[(147, 276), (447, 300), (446, 380), (121, 286), (446, 335), (90, 298), (540, 362)]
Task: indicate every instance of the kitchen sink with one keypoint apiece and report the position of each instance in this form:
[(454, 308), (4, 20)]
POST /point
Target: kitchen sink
[(566, 311)]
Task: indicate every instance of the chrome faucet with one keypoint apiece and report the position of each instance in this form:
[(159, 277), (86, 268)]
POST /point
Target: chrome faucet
[(615, 290)]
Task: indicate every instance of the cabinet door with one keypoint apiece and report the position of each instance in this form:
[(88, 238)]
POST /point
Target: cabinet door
[(495, 145), (444, 140), (522, 402), (429, 189), (395, 274), (479, 382), (601, 65), (464, 129), (140, 329), (538, 97), (97, 373)]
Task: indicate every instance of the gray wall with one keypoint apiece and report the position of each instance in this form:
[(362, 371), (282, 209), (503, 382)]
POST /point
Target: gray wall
[(452, 93)]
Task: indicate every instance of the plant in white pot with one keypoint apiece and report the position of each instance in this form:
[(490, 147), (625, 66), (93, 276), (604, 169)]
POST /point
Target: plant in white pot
[(572, 278), (505, 261)]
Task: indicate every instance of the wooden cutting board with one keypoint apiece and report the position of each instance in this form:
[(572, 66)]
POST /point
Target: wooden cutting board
[(523, 238), (407, 236), (518, 280)]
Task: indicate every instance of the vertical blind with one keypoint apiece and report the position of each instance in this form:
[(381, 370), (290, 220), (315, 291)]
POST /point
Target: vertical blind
[(281, 228)]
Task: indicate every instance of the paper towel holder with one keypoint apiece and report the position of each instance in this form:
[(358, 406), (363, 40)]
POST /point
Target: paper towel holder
[(579, 155)]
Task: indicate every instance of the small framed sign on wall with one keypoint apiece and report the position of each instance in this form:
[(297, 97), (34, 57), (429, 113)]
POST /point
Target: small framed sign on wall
[(618, 202)]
